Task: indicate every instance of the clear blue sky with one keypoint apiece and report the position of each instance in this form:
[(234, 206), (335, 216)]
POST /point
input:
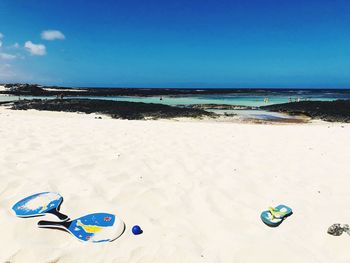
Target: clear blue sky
[(183, 43)]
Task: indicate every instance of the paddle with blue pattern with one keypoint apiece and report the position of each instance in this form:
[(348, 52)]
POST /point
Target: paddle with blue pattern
[(98, 227), (39, 205)]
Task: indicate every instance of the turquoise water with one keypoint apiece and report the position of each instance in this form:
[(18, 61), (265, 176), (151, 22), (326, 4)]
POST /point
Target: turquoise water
[(7, 98), (258, 98), (231, 99), (12, 98), (255, 99)]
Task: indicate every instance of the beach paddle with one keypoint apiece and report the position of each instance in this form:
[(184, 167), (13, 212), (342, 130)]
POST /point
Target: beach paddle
[(39, 205), (98, 227)]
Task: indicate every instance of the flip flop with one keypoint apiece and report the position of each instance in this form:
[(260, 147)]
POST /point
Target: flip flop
[(39, 205), (280, 211), (98, 227), (275, 215)]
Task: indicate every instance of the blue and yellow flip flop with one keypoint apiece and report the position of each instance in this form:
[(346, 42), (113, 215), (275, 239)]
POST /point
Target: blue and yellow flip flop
[(275, 215)]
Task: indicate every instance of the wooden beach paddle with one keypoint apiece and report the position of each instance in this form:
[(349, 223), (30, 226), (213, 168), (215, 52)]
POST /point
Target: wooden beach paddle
[(39, 205), (98, 227)]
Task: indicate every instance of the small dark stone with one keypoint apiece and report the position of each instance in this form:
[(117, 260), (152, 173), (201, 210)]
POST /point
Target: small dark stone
[(335, 230), (338, 229)]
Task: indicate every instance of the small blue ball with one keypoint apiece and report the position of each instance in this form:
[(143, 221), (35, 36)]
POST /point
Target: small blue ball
[(136, 230)]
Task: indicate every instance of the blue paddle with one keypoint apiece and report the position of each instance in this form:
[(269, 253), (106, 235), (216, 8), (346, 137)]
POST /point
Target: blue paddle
[(39, 205), (98, 227)]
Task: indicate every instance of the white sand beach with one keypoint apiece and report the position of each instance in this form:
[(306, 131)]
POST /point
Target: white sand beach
[(2, 88), (196, 188)]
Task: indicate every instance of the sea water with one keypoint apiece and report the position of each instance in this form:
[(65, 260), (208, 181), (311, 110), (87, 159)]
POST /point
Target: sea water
[(251, 98)]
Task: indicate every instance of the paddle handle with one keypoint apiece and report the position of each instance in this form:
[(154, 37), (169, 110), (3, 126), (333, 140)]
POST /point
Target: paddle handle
[(61, 216), (52, 224)]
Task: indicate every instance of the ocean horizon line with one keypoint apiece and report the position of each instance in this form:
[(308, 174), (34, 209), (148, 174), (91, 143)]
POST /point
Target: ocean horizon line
[(281, 89)]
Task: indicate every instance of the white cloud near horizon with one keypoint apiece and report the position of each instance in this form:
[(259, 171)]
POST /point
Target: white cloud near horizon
[(15, 45), (1, 37), (11, 74), (6, 72), (6, 56), (52, 35), (35, 49)]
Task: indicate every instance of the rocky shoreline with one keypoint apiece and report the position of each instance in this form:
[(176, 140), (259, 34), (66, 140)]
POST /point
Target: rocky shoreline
[(332, 111), (115, 109), (40, 90)]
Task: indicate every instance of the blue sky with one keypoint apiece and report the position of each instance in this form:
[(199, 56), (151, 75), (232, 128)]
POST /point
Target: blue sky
[(160, 43)]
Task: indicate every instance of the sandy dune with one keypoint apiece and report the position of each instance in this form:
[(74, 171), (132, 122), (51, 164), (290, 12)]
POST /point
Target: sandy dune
[(196, 188)]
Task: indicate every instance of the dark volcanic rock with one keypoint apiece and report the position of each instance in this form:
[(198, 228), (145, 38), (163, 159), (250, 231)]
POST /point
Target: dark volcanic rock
[(23, 89), (333, 111), (38, 90), (116, 109), (338, 229)]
